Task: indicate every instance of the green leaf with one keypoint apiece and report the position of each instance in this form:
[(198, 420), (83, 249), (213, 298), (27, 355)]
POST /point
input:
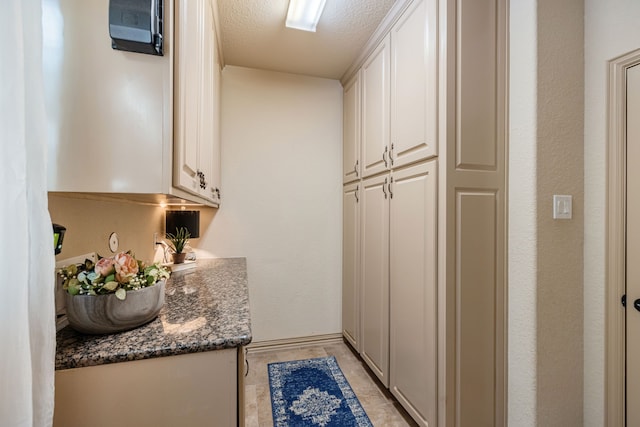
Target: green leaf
[(179, 240), (121, 294), (72, 283), (72, 270), (110, 278), (111, 286)]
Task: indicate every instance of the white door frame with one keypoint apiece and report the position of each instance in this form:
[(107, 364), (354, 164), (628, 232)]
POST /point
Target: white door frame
[(615, 240)]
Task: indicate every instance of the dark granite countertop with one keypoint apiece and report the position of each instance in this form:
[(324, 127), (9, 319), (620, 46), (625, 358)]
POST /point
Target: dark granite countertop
[(206, 308)]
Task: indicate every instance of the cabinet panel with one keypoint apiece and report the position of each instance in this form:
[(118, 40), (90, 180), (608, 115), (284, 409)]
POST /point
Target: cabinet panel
[(351, 130), (413, 291), (216, 181), (351, 265), (144, 118), (414, 84), (374, 347), (478, 137), (375, 110), (110, 114), (195, 82), (476, 189), (188, 79), (184, 390), (207, 96), (476, 300)]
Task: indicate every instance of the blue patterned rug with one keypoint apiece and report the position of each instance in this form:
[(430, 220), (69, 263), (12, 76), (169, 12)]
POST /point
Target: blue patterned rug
[(313, 392)]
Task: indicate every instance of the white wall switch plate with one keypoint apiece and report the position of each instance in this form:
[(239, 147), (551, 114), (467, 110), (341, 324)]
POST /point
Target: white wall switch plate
[(114, 242), (562, 206)]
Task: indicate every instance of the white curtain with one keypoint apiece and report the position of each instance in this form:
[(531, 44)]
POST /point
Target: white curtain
[(27, 308)]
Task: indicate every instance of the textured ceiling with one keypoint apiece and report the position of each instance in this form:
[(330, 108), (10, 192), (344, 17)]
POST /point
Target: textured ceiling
[(254, 35)]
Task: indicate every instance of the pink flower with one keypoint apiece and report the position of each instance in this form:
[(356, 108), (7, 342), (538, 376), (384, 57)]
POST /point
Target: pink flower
[(105, 267), (126, 267)]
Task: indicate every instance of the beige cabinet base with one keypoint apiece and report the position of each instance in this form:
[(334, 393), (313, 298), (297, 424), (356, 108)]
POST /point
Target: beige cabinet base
[(197, 389)]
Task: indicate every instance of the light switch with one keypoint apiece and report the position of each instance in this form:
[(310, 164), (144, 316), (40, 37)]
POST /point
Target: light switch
[(562, 206)]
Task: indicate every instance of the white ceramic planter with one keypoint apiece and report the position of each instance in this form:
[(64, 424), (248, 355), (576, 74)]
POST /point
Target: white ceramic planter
[(105, 314)]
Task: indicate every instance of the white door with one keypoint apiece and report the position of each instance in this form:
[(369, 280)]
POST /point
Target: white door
[(189, 50), (633, 248), (375, 110), (351, 264), (414, 85), (351, 130), (413, 291), (207, 98), (374, 239), (216, 182)]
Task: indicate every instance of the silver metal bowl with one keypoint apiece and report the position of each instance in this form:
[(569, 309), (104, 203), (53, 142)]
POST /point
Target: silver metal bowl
[(105, 314)]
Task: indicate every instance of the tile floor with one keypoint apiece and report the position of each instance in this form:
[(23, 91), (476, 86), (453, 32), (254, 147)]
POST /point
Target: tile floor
[(377, 402)]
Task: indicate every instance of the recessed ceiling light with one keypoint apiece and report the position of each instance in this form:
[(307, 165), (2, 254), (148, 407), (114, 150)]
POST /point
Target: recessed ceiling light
[(304, 14)]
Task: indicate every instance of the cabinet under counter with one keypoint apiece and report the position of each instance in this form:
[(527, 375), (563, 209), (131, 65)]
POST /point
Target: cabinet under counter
[(183, 368)]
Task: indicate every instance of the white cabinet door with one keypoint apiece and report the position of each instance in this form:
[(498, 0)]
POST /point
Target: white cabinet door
[(351, 130), (110, 121), (414, 84), (374, 295), (196, 153), (210, 119), (351, 264), (375, 110), (413, 298), (183, 390), (216, 184), (207, 96), (188, 79)]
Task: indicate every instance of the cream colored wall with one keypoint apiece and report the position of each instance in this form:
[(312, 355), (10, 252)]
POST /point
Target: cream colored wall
[(282, 198), (522, 258), (546, 255), (560, 168), (611, 29), (90, 222)]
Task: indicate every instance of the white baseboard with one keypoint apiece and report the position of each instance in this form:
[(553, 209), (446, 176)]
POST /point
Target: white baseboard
[(288, 343)]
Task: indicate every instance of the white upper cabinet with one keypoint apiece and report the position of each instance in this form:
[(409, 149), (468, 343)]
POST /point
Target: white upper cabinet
[(414, 84), (351, 130), (399, 110), (130, 125), (216, 184), (110, 114), (189, 21), (196, 143), (375, 110)]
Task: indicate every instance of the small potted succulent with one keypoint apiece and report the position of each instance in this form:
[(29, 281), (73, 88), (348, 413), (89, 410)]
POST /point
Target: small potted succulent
[(177, 242)]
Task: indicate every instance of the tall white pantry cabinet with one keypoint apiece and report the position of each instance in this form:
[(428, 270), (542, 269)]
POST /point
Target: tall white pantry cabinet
[(424, 209)]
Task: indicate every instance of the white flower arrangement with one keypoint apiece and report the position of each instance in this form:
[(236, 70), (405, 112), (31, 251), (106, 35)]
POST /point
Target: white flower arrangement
[(117, 274)]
